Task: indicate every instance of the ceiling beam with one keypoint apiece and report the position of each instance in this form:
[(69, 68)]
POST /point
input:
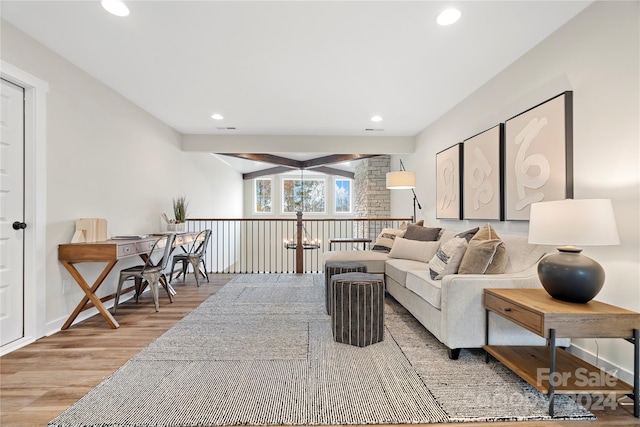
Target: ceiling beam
[(334, 158), (267, 158), (264, 172), (334, 171)]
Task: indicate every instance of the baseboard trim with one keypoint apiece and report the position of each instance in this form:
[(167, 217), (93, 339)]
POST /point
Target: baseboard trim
[(609, 367)]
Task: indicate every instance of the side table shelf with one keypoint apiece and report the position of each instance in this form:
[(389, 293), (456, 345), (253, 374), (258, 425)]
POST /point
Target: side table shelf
[(526, 362), (552, 370)]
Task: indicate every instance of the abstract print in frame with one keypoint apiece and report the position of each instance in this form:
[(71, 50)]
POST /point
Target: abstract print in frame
[(539, 156), (448, 188), (482, 176)]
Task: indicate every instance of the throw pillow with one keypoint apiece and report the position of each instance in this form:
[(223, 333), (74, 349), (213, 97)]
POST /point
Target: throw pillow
[(424, 234), (385, 239), (413, 249), (486, 254), (404, 224), (447, 258), (468, 234)]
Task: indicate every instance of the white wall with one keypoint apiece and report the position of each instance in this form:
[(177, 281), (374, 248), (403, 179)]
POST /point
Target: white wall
[(108, 158), (596, 55)]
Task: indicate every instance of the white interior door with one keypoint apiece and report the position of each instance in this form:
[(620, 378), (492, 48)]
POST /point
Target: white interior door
[(11, 211)]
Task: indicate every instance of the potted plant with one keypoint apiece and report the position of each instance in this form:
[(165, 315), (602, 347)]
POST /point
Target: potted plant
[(180, 213)]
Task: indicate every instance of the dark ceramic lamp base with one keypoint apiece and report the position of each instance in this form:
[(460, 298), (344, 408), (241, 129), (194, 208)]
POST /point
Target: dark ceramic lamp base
[(570, 276)]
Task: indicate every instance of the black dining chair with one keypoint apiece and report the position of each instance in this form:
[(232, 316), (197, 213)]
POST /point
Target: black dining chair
[(195, 257), (149, 273)]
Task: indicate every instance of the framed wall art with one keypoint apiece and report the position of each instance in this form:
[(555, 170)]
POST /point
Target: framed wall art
[(538, 156), (482, 184), (448, 188)]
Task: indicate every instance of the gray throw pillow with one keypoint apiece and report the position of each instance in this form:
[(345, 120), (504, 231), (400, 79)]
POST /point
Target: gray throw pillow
[(424, 234)]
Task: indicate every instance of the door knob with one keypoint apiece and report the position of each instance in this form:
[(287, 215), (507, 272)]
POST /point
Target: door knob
[(17, 225)]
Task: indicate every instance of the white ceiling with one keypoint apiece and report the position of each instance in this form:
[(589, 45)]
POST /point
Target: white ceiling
[(294, 67)]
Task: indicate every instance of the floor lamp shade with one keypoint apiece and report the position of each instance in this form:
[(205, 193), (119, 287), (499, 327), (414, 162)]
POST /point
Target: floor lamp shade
[(568, 275), (401, 179)]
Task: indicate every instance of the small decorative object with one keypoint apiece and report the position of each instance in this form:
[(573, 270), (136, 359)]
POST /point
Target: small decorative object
[(404, 179), (180, 214), (90, 230), (448, 188), (180, 209), (568, 275), (482, 175), (539, 156)]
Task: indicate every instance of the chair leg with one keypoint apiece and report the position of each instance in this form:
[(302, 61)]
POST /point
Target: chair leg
[(204, 266), (118, 291), (194, 263), (173, 265), (153, 283), (138, 284), (167, 286)]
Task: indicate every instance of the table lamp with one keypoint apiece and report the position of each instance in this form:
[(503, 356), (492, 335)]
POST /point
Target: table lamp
[(404, 179), (568, 275)]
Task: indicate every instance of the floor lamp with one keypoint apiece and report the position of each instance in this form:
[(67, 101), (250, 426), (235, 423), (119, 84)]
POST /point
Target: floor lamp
[(404, 179)]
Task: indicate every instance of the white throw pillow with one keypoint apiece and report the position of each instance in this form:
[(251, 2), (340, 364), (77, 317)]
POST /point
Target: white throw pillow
[(413, 249), (447, 258), (385, 239)]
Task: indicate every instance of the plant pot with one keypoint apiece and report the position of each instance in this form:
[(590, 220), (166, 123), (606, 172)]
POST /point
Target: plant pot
[(178, 227)]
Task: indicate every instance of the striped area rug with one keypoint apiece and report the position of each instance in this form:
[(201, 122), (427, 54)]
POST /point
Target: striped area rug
[(260, 352)]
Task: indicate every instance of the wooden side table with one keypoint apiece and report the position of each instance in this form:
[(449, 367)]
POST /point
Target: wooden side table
[(552, 370)]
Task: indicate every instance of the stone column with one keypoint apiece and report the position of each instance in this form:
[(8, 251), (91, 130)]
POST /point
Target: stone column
[(372, 199)]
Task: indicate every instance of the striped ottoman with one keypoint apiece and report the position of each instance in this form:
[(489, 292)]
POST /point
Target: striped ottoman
[(336, 267), (357, 308)]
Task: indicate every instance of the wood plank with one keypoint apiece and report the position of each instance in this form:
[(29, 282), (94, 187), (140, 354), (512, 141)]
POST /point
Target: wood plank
[(575, 375)]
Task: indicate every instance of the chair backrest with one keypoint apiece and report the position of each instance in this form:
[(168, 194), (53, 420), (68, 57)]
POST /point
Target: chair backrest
[(166, 243), (201, 243)]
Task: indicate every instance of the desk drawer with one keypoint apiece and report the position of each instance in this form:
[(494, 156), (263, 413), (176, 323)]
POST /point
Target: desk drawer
[(144, 247), (126, 249), (518, 314)]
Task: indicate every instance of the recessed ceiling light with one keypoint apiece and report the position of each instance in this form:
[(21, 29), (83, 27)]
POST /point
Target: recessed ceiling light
[(448, 16), (115, 7), (217, 116), (376, 119)]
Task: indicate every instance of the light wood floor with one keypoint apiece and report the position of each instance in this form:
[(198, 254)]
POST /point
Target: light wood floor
[(41, 380)]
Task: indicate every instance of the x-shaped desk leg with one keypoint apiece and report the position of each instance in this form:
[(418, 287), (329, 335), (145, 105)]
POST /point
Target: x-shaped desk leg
[(90, 294)]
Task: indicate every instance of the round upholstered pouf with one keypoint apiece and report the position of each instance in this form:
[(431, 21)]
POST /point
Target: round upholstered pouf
[(338, 267), (357, 308)]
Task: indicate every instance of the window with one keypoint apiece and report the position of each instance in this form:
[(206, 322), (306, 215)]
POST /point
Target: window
[(303, 195), (343, 195), (262, 201)]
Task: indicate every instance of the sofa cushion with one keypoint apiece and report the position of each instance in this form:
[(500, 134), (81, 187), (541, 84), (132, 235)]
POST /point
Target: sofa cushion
[(384, 241), (447, 258), (486, 254), (373, 260), (424, 234), (397, 268), (421, 283), (413, 249)]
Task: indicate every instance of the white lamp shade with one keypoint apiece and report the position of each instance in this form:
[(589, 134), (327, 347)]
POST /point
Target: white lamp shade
[(575, 222), (401, 179)]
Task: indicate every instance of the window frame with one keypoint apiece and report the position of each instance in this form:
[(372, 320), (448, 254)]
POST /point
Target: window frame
[(255, 196), (335, 195), (324, 194)]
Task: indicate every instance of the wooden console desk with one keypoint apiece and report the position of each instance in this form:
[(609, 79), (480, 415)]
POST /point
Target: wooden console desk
[(109, 251)]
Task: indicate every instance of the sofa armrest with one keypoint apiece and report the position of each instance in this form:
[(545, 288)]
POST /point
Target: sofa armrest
[(463, 313)]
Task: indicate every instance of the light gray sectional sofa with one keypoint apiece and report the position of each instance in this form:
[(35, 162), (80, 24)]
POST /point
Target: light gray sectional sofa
[(451, 308)]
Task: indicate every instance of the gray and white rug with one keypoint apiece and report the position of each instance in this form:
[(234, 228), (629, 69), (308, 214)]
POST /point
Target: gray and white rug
[(260, 352)]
